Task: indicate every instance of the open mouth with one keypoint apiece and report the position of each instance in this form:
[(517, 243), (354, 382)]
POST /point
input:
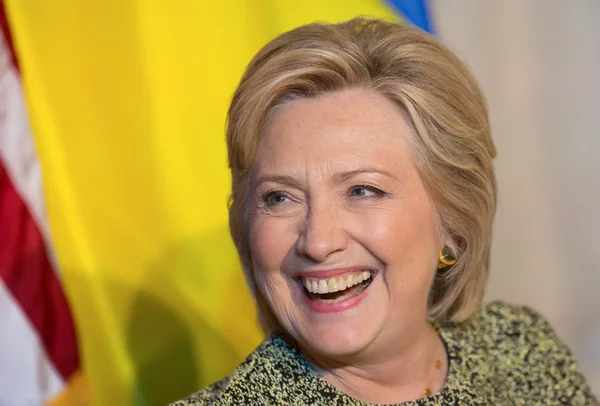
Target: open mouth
[(336, 289)]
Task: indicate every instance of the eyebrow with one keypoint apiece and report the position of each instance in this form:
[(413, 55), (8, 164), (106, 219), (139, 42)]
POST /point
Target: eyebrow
[(283, 179), (342, 177), (339, 177)]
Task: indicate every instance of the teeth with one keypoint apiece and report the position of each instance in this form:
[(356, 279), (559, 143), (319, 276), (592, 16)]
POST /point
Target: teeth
[(332, 286), (335, 284), (349, 281), (322, 287)]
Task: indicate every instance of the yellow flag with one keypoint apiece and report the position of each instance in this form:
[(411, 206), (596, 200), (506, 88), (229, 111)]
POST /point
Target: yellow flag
[(127, 101)]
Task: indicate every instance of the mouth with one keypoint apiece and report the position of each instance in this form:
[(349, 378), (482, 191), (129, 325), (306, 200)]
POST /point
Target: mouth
[(337, 288)]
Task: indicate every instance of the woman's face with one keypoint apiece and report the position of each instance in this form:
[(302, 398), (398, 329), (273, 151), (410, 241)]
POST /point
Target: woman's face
[(343, 236)]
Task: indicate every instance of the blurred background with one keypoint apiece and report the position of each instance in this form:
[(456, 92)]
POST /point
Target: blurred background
[(538, 62), (118, 280)]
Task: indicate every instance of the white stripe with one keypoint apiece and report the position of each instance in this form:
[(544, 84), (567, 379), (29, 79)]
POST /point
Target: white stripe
[(27, 376), (17, 149)]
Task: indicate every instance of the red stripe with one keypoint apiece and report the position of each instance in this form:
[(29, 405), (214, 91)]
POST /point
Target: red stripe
[(26, 270), (6, 33), (27, 273)]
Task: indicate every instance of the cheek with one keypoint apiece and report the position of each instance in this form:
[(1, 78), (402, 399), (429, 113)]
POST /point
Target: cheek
[(404, 239), (271, 240)]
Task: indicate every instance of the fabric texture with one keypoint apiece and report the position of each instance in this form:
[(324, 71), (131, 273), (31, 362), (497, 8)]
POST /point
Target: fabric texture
[(508, 355)]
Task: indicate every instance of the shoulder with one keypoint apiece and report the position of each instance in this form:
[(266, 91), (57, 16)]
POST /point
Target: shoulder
[(261, 379), (505, 326), (522, 355), (521, 332), (509, 323)]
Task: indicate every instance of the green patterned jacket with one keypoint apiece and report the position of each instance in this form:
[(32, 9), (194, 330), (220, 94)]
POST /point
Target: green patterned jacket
[(508, 356)]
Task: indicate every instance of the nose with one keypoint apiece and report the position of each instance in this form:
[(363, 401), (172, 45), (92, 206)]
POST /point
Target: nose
[(323, 235)]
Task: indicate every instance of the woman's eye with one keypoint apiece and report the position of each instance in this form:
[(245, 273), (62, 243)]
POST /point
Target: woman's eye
[(275, 198), (365, 191)]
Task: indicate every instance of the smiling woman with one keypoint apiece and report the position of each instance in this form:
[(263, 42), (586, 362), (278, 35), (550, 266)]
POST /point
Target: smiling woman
[(354, 210), (362, 206)]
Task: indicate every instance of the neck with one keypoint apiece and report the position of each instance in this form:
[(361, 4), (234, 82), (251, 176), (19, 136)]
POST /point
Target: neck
[(399, 373)]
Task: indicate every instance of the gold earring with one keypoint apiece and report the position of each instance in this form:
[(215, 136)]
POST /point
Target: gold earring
[(447, 258)]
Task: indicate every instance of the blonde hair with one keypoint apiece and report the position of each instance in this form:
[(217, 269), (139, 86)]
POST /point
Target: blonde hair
[(441, 101)]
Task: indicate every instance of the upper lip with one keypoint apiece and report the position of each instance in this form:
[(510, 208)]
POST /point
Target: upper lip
[(328, 273)]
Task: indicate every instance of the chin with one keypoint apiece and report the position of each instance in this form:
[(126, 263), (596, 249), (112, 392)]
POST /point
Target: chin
[(336, 332), (339, 340)]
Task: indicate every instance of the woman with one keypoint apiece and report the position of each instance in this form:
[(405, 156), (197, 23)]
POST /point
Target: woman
[(362, 206)]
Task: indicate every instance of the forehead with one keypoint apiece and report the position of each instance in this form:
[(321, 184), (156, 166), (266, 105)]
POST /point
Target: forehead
[(340, 129)]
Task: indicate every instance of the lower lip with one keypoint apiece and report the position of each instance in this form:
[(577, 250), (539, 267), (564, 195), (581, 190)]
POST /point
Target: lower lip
[(321, 306)]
